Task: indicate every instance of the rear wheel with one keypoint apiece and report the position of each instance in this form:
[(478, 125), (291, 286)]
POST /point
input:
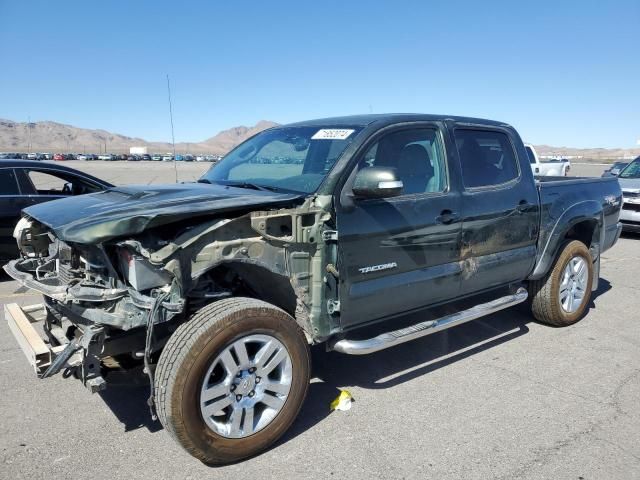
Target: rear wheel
[(231, 381), (561, 298)]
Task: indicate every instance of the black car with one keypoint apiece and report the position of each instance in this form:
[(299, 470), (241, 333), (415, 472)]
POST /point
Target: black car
[(24, 183)]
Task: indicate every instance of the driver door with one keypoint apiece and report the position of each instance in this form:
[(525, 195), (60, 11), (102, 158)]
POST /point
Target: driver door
[(400, 254)]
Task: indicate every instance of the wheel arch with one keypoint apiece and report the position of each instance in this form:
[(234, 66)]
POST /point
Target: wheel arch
[(260, 281), (582, 221)]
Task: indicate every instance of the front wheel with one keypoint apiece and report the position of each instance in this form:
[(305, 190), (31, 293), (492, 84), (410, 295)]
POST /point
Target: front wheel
[(232, 379), (561, 298)]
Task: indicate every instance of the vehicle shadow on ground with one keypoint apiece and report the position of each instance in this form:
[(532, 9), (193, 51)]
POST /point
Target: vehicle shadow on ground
[(630, 235), (127, 397), (3, 275), (128, 392), (603, 287), (397, 365)]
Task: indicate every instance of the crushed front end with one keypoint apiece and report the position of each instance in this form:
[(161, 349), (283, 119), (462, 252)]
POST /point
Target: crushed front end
[(101, 306)]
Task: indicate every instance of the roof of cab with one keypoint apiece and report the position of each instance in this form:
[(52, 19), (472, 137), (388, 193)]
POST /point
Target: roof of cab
[(390, 118)]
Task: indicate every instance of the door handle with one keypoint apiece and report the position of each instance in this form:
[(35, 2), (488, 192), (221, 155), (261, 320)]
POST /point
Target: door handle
[(446, 217), (523, 206)]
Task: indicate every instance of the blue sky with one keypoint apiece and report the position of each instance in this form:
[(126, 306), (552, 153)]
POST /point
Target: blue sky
[(562, 72)]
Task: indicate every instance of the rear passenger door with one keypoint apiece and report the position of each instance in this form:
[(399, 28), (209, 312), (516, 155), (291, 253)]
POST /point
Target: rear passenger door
[(500, 209)]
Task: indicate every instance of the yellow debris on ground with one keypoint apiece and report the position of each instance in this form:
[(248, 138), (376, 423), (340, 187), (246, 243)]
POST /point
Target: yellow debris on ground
[(342, 402)]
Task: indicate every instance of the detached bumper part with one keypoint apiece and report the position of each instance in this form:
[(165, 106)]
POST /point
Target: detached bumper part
[(47, 360), (38, 353)]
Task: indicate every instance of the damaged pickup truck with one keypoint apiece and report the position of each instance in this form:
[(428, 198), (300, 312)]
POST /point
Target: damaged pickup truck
[(301, 235)]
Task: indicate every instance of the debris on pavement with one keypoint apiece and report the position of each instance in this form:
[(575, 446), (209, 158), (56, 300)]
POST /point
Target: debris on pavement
[(342, 402)]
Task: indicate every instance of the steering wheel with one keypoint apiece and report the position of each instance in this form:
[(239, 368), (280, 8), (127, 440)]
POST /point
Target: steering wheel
[(67, 189)]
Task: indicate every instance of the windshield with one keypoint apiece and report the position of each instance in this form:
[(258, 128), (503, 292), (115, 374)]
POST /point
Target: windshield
[(295, 159), (632, 170)]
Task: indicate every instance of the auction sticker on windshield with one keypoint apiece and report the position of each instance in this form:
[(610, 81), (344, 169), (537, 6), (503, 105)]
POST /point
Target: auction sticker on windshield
[(332, 134)]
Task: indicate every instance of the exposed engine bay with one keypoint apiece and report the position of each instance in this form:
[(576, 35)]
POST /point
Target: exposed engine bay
[(114, 304), (112, 288)]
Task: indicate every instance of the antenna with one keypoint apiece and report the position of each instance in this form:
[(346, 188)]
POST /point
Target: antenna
[(29, 131), (173, 139)]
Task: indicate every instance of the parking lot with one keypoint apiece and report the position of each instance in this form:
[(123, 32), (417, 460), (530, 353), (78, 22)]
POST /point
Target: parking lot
[(502, 397)]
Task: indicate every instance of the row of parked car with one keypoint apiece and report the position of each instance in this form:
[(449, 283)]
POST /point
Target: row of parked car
[(110, 157)]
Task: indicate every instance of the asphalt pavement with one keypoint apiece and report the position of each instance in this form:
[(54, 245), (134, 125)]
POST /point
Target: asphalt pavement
[(502, 397)]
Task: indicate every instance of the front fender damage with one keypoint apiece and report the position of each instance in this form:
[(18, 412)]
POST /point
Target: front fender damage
[(277, 255), (98, 314)]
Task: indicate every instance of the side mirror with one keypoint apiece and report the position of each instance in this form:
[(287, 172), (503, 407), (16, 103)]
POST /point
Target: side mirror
[(377, 182)]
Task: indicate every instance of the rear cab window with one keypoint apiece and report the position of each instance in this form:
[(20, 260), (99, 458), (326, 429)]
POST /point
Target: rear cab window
[(487, 157)]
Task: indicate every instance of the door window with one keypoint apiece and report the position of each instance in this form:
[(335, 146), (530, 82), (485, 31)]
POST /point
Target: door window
[(8, 183), (486, 157), (416, 155), (46, 183)]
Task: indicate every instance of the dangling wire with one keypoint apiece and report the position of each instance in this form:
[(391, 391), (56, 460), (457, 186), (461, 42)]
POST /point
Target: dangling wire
[(151, 321)]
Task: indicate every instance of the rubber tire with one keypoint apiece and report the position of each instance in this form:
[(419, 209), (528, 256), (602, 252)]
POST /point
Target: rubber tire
[(187, 356), (545, 293)]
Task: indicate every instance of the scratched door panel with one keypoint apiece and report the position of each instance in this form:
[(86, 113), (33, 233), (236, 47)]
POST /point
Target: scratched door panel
[(500, 210)]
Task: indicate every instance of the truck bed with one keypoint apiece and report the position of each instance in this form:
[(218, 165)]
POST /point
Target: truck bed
[(570, 199), (571, 180)]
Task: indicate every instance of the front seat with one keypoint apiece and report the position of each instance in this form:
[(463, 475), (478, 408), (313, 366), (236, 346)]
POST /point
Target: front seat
[(477, 169), (415, 169)]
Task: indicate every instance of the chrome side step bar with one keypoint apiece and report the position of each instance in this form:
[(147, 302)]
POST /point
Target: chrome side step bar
[(396, 337)]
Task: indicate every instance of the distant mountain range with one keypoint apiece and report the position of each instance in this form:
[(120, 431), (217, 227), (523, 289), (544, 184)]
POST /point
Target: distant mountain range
[(57, 137), (593, 154)]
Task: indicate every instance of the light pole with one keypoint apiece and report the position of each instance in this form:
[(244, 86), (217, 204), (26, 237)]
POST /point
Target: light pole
[(29, 133)]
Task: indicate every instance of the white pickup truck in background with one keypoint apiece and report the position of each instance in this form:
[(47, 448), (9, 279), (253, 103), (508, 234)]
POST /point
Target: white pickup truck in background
[(558, 168)]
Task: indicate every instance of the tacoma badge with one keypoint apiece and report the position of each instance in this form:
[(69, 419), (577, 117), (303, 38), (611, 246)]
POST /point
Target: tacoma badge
[(377, 268)]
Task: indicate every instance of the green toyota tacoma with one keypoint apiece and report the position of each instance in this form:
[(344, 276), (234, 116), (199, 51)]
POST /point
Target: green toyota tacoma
[(301, 235)]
